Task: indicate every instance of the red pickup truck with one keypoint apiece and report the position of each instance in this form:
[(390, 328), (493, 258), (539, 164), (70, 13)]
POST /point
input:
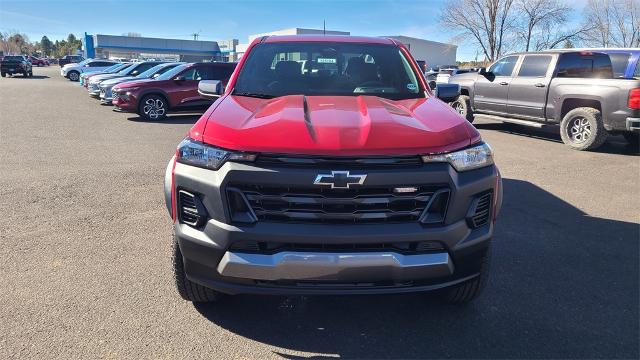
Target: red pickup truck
[(327, 166)]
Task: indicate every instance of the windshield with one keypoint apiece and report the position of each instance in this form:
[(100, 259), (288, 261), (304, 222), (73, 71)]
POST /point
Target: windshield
[(125, 70), (173, 72), (83, 62), (324, 68), (113, 67), (13, 58), (158, 69)]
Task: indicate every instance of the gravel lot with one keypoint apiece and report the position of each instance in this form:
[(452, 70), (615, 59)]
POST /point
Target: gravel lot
[(85, 270)]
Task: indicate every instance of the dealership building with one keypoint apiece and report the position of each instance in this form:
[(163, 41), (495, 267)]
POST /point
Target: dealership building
[(430, 53), (133, 47), (427, 52)]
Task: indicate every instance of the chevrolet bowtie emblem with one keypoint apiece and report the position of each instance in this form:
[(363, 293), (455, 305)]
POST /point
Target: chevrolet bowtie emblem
[(339, 179)]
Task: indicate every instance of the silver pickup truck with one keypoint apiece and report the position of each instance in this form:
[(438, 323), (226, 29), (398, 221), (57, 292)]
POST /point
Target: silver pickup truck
[(575, 89)]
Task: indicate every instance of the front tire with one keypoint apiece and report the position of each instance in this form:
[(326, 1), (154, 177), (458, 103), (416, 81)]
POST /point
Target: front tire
[(3, 74), (31, 73), (470, 290), (187, 289), (462, 105), (74, 76), (153, 107), (582, 129)]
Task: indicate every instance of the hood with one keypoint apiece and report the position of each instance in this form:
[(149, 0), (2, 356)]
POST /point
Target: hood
[(102, 77), (117, 80), (335, 125), (135, 83), (470, 76)]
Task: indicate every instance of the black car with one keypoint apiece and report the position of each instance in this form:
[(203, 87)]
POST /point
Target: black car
[(15, 64), (68, 59)]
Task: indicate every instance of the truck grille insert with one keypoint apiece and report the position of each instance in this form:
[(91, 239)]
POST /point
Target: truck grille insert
[(324, 205), (331, 162), (190, 209), (482, 211)]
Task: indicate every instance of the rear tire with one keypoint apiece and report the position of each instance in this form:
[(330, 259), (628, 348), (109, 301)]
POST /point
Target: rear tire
[(470, 290), (74, 76), (153, 107), (3, 74), (462, 105), (187, 289), (25, 74), (582, 129)]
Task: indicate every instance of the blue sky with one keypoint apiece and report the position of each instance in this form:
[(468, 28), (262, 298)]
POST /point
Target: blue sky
[(225, 19)]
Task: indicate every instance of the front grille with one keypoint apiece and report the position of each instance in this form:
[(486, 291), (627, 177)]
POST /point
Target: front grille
[(102, 91), (115, 95), (342, 161), (324, 205)]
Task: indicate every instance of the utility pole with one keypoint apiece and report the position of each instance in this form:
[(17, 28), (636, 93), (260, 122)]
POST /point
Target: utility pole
[(324, 27), (195, 36)]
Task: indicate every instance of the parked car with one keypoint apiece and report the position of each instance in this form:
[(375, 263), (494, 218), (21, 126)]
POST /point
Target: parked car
[(555, 87), (355, 180), (73, 71), (15, 64), (134, 70), (444, 74), (38, 61), (106, 86), (110, 70), (69, 59), (175, 90)]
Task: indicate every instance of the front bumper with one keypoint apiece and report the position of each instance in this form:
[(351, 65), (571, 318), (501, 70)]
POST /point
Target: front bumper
[(106, 95), (211, 258)]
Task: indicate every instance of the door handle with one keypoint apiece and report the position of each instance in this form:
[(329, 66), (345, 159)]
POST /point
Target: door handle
[(539, 85), (504, 83)]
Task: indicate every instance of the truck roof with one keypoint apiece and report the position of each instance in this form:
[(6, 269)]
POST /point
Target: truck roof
[(328, 38)]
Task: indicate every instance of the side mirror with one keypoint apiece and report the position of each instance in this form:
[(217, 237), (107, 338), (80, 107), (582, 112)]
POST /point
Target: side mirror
[(210, 89), (180, 78), (447, 92), (483, 71), (432, 85)]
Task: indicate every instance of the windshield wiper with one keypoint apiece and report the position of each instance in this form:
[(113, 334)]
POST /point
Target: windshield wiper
[(255, 95)]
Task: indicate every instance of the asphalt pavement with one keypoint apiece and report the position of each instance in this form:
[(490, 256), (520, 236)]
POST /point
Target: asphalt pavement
[(85, 266)]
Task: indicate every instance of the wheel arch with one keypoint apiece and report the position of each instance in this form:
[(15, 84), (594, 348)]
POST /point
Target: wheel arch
[(570, 103)]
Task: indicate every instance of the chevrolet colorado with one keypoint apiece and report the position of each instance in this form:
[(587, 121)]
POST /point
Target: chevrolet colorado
[(327, 166), (575, 89)]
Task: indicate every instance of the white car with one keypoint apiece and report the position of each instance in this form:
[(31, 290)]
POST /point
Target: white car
[(444, 74), (73, 71)]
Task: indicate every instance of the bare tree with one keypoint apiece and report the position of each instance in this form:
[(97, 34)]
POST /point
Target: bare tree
[(486, 22), (612, 23), (541, 22)]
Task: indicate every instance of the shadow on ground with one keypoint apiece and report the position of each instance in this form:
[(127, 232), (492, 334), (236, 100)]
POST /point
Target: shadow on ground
[(615, 144), (171, 119), (563, 284), (34, 77)]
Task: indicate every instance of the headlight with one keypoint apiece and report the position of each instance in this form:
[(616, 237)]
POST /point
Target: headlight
[(468, 159), (195, 153)]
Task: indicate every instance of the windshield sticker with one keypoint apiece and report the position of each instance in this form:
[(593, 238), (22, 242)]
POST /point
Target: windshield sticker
[(412, 87), (326, 60)]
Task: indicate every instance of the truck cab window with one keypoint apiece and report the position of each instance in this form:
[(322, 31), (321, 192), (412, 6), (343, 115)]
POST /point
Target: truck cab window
[(534, 66), (504, 66)]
